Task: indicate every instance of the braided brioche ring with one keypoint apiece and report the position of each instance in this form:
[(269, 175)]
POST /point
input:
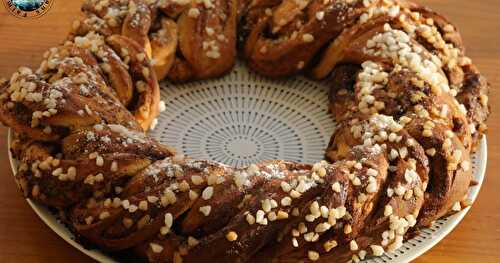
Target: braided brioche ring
[(410, 106)]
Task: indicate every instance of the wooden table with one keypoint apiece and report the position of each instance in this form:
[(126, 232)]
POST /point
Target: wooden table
[(25, 238)]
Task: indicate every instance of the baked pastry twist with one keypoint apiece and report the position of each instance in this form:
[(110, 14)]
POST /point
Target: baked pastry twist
[(186, 40), (410, 106)]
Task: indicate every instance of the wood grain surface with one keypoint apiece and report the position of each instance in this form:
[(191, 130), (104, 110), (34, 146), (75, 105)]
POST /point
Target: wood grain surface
[(25, 238)]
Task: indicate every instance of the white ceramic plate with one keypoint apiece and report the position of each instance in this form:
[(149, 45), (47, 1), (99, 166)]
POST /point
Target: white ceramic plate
[(244, 118)]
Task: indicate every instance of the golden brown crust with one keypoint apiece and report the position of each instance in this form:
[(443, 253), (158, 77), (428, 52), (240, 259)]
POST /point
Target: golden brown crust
[(284, 37), (90, 161), (427, 108), (196, 39), (207, 40), (164, 46), (49, 104), (474, 93), (147, 90)]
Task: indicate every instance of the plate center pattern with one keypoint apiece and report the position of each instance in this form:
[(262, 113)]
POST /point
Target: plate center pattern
[(244, 118)]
